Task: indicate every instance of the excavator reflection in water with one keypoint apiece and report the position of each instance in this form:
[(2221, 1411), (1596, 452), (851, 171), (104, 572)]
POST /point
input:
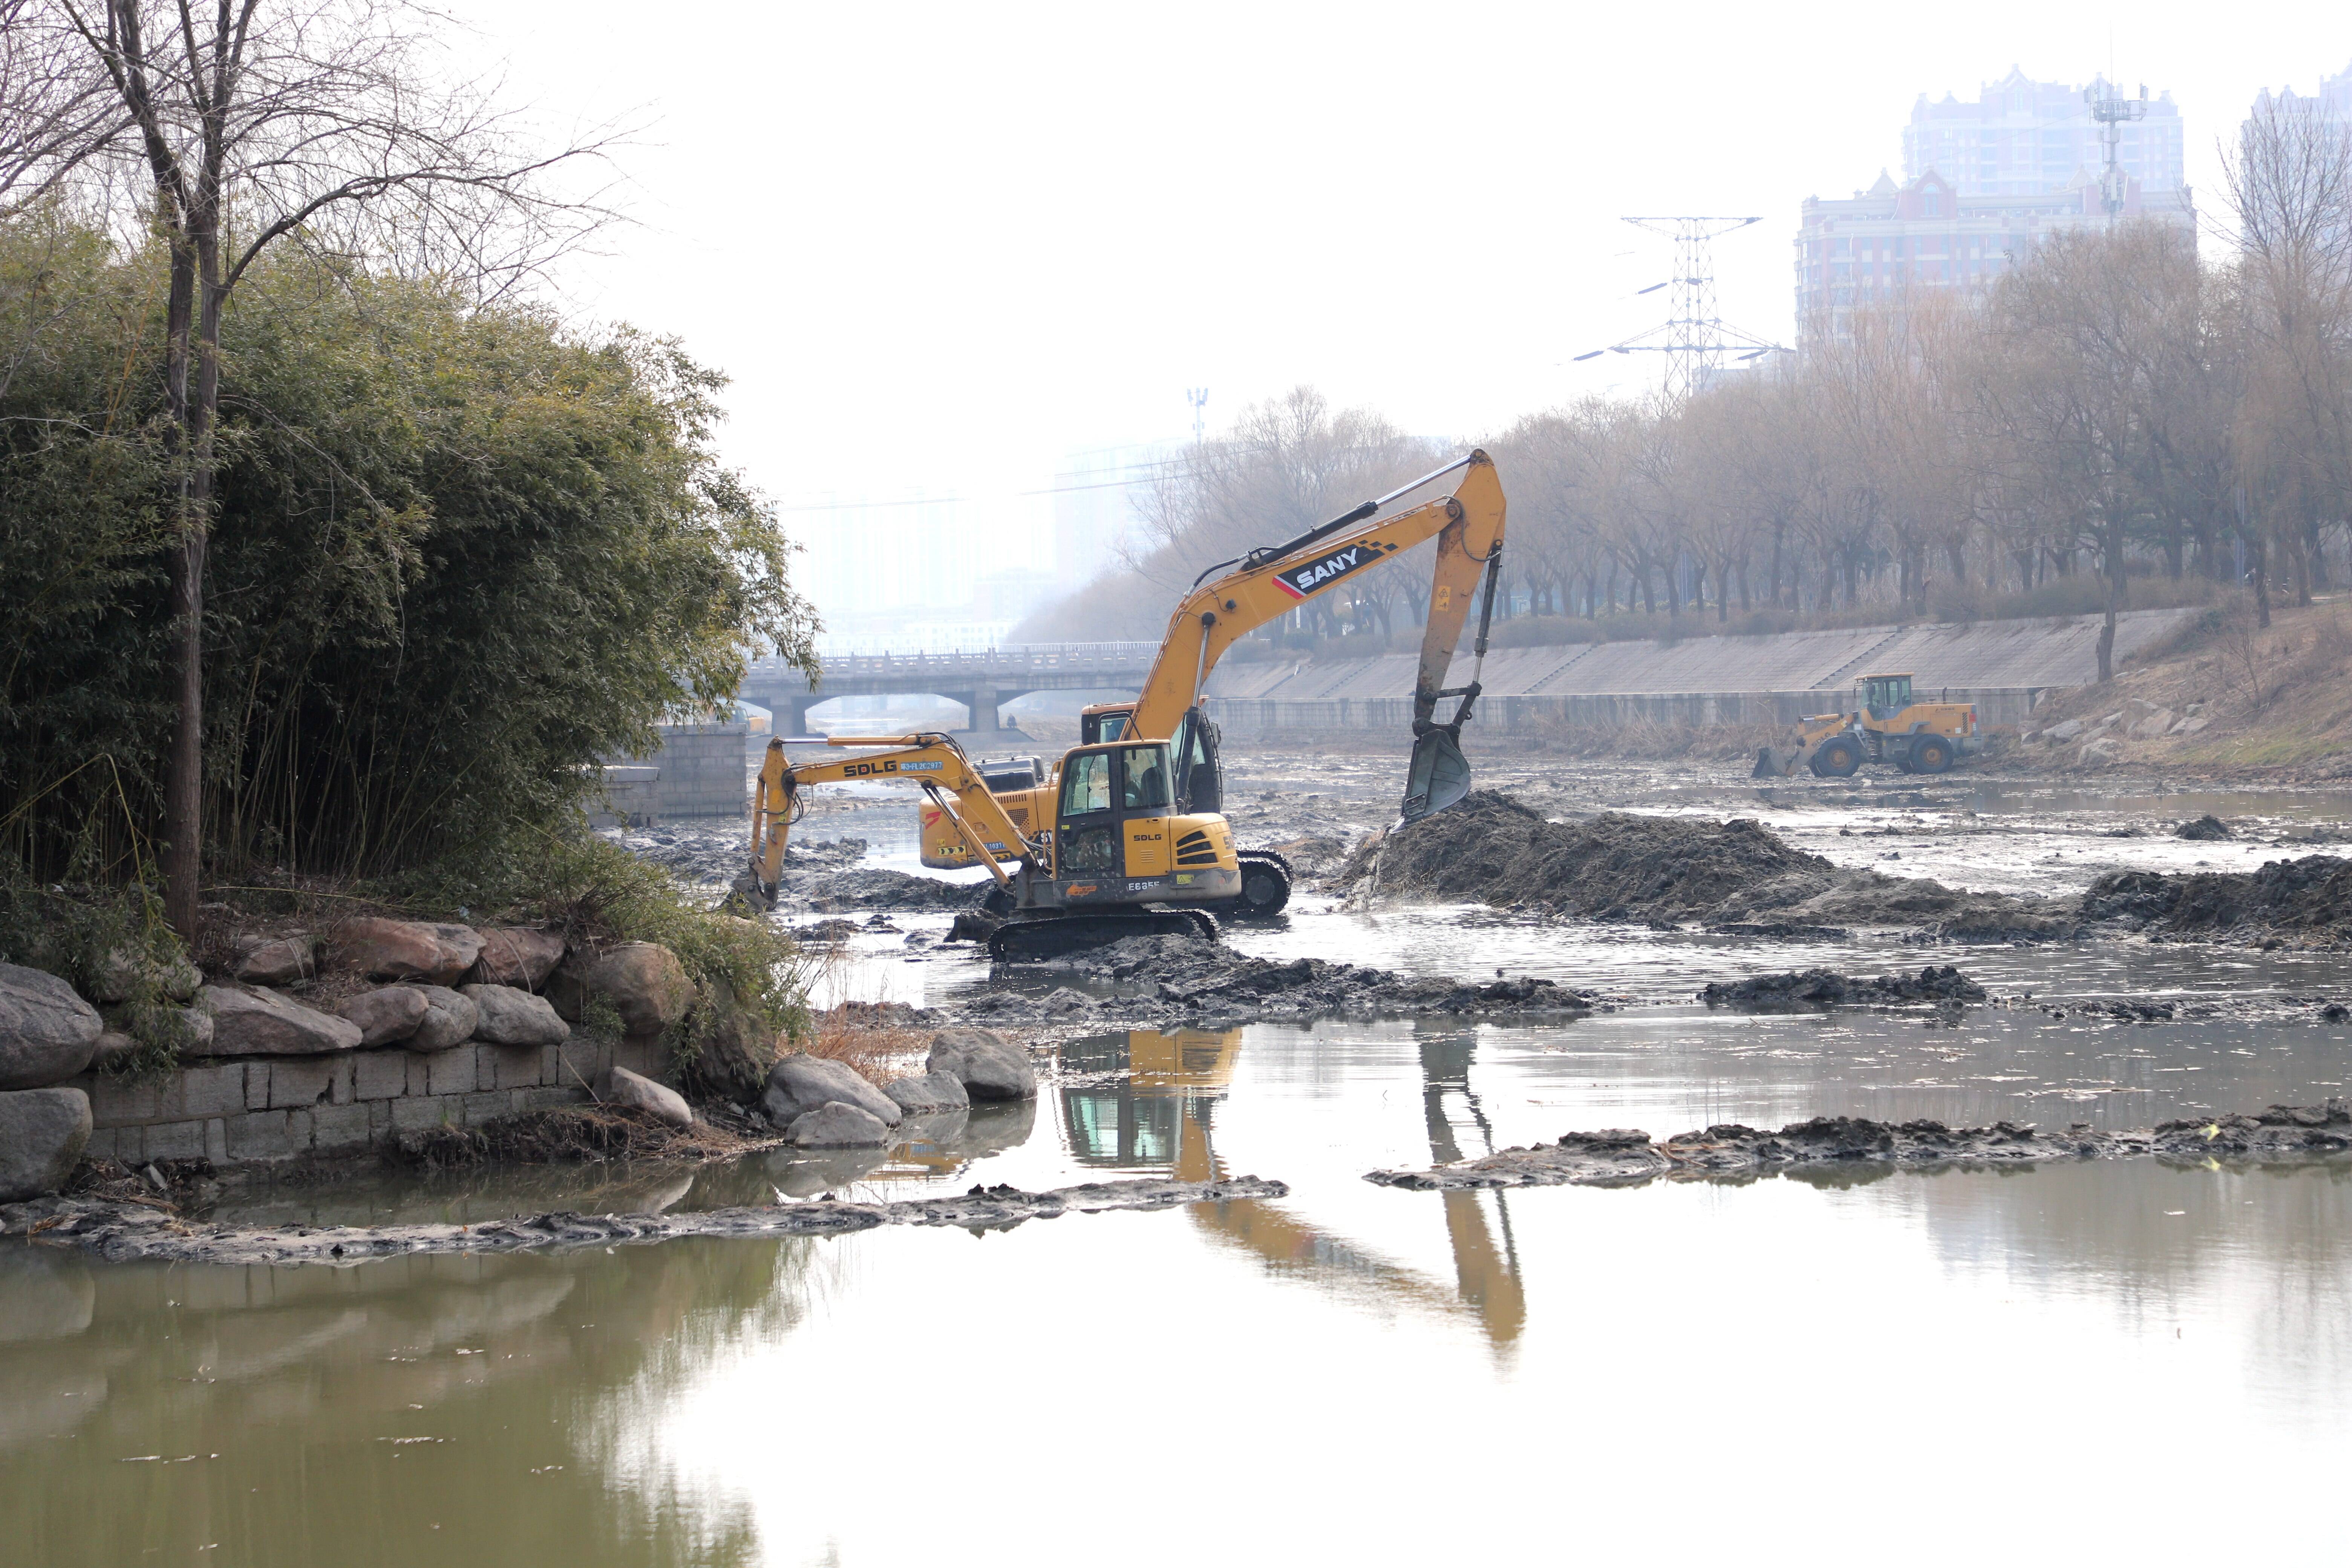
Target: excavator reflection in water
[(1146, 1099)]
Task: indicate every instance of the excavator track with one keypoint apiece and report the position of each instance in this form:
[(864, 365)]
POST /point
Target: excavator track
[(1049, 936)]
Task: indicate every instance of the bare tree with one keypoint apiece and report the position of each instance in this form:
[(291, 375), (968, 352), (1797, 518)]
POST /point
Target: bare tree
[(221, 132), (2289, 189)]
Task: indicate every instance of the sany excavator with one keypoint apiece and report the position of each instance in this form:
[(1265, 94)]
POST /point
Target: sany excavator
[(1266, 586), (1128, 836)]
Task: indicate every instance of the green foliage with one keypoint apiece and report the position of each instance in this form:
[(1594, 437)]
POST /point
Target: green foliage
[(458, 552), (101, 937)]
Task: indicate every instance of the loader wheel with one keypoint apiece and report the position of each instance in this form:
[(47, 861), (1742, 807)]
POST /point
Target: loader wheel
[(1837, 759), (1931, 754)]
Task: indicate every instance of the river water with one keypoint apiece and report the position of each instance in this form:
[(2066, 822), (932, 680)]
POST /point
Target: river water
[(2093, 1361)]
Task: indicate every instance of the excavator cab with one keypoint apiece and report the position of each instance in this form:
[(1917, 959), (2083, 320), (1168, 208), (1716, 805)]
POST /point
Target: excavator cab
[(1104, 721), (1200, 773), (1119, 832)]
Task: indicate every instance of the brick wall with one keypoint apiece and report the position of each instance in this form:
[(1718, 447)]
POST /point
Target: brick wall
[(261, 1108)]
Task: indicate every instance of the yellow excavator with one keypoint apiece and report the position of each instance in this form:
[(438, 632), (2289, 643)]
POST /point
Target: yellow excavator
[(1884, 726), (1254, 590)]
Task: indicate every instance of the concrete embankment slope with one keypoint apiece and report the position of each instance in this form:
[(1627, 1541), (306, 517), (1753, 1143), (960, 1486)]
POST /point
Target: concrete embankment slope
[(2003, 667)]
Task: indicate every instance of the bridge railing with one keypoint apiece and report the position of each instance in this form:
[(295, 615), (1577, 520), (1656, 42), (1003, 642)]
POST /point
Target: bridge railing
[(1013, 659)]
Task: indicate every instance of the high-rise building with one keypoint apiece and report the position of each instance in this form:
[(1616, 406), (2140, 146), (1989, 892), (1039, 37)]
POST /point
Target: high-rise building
[(2023, 138), (2332, 103), (1984, 182)]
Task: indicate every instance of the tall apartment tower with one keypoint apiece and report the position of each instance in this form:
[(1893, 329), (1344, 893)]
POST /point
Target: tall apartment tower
[(1983, 183), (2023, 138)]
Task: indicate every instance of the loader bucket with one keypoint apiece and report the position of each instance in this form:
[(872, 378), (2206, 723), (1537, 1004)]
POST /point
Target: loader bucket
[(1438, 776), (1771, 763)]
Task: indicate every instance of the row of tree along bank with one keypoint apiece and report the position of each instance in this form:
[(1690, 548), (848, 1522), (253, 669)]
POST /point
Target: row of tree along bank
[(2100, 427)]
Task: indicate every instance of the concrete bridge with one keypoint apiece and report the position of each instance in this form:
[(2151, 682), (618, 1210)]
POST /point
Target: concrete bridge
[(982, 682)]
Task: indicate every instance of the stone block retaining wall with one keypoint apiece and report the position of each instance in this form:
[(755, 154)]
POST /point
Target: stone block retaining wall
[(263, 1109)]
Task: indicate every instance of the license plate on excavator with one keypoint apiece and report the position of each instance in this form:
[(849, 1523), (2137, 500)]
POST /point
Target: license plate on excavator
[(1438, 776)]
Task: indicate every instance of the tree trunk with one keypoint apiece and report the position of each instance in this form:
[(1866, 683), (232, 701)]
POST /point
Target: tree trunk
[(2113, 548), (185, 762)]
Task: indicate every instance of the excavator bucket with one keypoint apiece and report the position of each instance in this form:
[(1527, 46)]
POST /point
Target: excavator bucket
[(1438, 776)]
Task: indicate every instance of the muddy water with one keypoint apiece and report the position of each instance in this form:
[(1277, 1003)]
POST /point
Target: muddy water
[(2097, 1360), (2082, 1361)]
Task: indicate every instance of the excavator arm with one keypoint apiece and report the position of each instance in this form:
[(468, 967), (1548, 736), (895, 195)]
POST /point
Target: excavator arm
[(932, 762), (1270, 582)]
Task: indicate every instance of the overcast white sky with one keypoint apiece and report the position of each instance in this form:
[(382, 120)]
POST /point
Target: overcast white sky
[(945, 244)]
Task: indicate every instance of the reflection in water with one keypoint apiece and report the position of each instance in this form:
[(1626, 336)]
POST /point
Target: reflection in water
[(1146, 1101), (444, 1410)]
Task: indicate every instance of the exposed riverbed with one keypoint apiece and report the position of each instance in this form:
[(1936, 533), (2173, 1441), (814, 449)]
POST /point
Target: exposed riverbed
[(1942, 1362)]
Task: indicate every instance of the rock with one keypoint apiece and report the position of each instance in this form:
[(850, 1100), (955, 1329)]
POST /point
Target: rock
[(47, 1033), (390, 1013), (2155, 724), (641, 1093), (838, 1126), (116, 1045), (2101, 752), (450, 1019), (801, 1083), (733, 1055), (2190, 725), (2205, 828), (384, 949), (644, 981), (42, 1134), (988, 1066), (2063, 732), (120, 974), (927, 1094), (113, 1046), (517, 955), (509, 1017), (278, 962), (252, 1022)]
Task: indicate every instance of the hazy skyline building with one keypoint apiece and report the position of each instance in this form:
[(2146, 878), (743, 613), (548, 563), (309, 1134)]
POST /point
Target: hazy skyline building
[(1984, 182), (2022, 138)]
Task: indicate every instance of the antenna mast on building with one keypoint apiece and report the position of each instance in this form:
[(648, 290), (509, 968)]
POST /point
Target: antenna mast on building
[(2113, 113), (1693, 338), (1198, 396)]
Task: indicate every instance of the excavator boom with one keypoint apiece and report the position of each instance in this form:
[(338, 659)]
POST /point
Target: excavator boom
[(1271, 582), (933, 761)]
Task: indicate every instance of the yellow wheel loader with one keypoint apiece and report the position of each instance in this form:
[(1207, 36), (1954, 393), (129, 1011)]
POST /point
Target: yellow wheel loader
[(1257, 589), (1885, 726)]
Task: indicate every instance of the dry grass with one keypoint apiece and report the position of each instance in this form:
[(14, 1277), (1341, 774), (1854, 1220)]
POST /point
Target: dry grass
[(879, 1039), (587, 1134), (2277, 701)]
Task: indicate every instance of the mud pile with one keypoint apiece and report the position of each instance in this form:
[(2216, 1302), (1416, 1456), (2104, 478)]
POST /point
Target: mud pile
[(2311, 897), (1155, 979), (1618, 867), (1826, 988), (120, 1233), (1623, 1157)]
